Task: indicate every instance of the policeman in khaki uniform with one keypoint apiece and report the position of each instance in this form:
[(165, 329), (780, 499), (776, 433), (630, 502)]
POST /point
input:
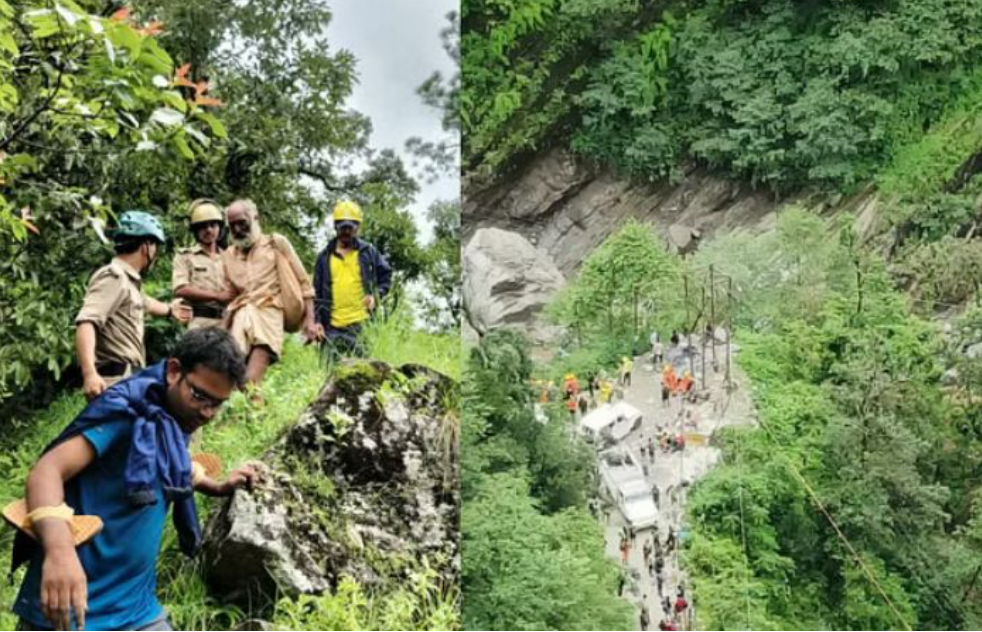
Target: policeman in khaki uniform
[(109, 327), (199, 276)]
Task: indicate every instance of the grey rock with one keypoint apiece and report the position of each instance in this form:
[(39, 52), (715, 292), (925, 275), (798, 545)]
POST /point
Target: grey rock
[(949, 377), (543, 185), (506, 279), (567, 207), (366, 481)]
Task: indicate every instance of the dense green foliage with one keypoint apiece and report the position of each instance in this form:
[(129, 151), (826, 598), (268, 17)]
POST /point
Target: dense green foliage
[(533, 556), (158, 104), (443, 270), (629, 284), (847, 382), (783, 93), (87, 97)]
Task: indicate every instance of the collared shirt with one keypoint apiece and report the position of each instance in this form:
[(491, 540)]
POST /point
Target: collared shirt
[(347, 293), (253, 274), (115, 304), (197, 268)]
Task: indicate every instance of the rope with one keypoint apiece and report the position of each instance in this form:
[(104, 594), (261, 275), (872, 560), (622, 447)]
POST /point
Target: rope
[(842, 536), (746, 558)]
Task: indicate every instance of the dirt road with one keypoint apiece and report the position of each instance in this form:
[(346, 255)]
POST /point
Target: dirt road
[(673, 472)]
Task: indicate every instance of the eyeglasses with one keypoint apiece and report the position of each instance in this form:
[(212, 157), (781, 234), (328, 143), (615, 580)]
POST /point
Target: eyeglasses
[(202, 397)]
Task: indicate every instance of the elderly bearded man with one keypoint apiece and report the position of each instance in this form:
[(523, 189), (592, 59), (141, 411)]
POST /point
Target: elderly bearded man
[(256, 317)]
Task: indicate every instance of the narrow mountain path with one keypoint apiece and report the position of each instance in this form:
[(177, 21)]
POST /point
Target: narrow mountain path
[(673, 472)]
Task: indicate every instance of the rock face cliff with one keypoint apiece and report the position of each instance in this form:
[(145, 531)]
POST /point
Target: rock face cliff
[(564, 207)]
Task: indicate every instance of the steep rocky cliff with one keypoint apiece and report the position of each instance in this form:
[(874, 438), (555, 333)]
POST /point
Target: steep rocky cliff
[(558, 208)]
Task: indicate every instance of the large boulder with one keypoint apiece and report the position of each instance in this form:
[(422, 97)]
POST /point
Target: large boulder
[(506, 279), (365, 484)]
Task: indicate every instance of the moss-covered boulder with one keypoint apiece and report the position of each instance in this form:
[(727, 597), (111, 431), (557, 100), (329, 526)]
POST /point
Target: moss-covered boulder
[(365, 485)]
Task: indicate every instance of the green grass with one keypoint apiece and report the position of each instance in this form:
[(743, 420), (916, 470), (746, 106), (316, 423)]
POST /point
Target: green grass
[(398, 342), (241, 433)]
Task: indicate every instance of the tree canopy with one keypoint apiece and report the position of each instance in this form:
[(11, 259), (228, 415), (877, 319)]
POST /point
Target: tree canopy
[(107, 108)]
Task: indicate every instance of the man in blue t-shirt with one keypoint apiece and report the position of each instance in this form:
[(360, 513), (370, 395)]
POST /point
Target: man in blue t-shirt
[(125, 459)]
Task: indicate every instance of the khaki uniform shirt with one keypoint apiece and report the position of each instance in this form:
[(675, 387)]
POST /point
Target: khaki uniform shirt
[(196, 268), (257, 311), (253, 273), (115, 304)]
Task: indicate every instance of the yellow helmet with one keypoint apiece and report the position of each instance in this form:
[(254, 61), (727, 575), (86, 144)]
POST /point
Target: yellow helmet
[(204, 210), (347, 211)]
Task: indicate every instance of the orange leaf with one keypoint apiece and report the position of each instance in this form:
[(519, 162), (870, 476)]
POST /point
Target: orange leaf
[(31, 227), (154, 28), (201, 88), (121, 15), (181, 76), (208, 101)]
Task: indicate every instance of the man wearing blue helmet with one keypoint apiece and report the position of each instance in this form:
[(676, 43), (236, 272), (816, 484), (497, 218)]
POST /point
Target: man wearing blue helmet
[(109, 326)]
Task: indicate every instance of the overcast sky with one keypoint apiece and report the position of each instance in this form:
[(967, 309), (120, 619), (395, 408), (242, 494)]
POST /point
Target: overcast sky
[(397, 45)]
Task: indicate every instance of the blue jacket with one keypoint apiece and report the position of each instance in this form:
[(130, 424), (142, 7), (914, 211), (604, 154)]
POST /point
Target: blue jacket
[(376, 276), (159, 450)]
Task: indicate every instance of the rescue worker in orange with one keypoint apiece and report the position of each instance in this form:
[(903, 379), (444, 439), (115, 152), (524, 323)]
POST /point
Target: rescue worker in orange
[(571, 406), (571, 386), (669, 382), (684, 387)]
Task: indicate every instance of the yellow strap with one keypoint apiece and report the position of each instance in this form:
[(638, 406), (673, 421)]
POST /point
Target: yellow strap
[(62, 512), (197, 473)]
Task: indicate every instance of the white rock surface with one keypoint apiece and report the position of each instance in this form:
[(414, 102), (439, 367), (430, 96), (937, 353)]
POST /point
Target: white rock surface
[(506, 279)]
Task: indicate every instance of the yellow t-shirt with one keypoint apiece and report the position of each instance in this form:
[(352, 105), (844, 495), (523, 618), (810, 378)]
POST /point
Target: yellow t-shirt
[(347, 294)]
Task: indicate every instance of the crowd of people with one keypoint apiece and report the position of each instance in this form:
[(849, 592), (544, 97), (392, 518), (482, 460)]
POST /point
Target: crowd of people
[(674, 611), (599, 387), (670, 608)]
